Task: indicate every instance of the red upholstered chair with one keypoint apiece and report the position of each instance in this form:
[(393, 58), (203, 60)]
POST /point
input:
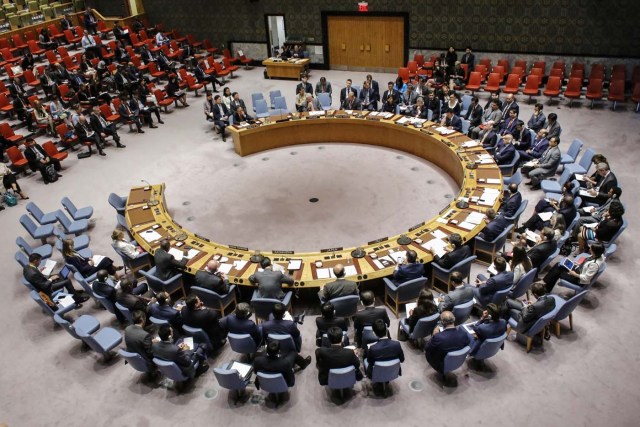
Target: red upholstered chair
[(493, 84), (500, 70), (413, 69), (178, 37), (192, 41), (7, 131), (5, 105), (619, 72), (577, 65), (616, 92), (62, 51), (52, 151), (102, 29), (54, 32), (573, 90), (17, 159), (3, 88), (7, 56), (428, 67), (31, 79), (62, 130), (579, 73), (475, 80), (522, 64), (465, 67), (35, 49), (67, 61), (218, 68), (635, 77), (594, 90), (404, 74), (482, 69), (229, 66), (192, 84), (504, 63), (71, 39), (162, 100), (540, 64), (597, 71), (559, 65), (18, 42), (553, 87), (537, 72), (227, 54), (154, 72), (532, 86), (244, 60), (209, 47), (136, 41), (513, 84), (109, 115), (557, 72), (51, 57), (486, 62)]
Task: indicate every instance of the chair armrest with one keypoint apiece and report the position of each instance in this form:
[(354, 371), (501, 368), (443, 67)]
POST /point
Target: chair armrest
[(173, 279), (389, 284), (287, 299)]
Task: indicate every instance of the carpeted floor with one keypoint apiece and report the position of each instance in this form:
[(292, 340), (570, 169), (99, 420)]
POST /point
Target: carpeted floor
[(587, 377)]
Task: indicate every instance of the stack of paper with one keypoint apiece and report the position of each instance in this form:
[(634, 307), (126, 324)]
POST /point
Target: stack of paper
[(48, 267), (324, 273), (66, 301), (239, 264), (437, 246), (191, 253), (350, 270), (294, 264), (96, 259), (467, 225), (493, 181), (225, 268), (398, 256), (545, 216), (316, 113), (489, 196), (177, 253), (150, 235), (470, 144), (475, 218)]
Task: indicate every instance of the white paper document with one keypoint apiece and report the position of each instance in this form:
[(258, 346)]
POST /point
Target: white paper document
[(378, 264), (475, 217), (545, 216), (470, 144), (239, 264), (225, 268), (579, 177), (399, 256), (439, 234), (410, 306), (350, 270), (49, 265), (294, 264), (437, 246), (66, 301), (530, 235), (467, 225), (150, 235), (192, 253), (585, 193), (242, 368), (188, 341), (324, 273), (493, 181), (177, 253), (97, 259)]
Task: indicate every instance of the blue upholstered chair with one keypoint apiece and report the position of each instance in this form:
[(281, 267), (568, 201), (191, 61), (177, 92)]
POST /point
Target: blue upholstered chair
[(443, 275), (490, 248), (490, 347), (85, 323), (103, 342), (171, 371), (572, 153), (383, 372), (242, 343), (522, 286), (48, 310), (455, 359), (261, 109), (44, 251), (76, 213), (264, 306), (395, 295), (424, 327), (584, 164), (126, 313), (80, 242), (346, 306), (172, 285), (564, 308), (462, 312), (37, 232), (72, 227), (325, 101), (41, 217), (119, 203), (555, 186), (507, 170), (141, 261), (230, 379), (342, 379), (578, 288), (214, 300), (536, 329), (274, 384), (286, 342), (136, 361)]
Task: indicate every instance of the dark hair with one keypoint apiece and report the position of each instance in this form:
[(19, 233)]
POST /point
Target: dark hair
[(539, 106), (548, 234), (266, 262), (215, 98), (494, 311), (490, 213), (519, 256), (34, 257), (279, 310), (514, 110), (552, 116), (327, 310), (456, 277), (617, 192), (164, 244), (616, 210), (138, 317), (126, 286), (538, 289), (449, 110), (561, 224), (597, 249), (273, 348), (379, 328), (191, 301), (335, 335), (164, 332), (367, 298), (425, 296), (412, 256), (455, 239), (163, 298), (102, 275), (500, 264), (513, 188), (243, 310)]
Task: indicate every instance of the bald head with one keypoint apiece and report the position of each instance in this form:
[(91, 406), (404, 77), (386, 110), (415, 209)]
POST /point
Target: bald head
[(338, 270), (213, 266)]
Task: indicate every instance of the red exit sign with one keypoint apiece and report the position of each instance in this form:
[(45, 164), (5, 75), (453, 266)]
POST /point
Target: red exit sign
[(363, 6)]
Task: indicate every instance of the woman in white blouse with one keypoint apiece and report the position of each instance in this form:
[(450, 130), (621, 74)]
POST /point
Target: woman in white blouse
[(130, 250), (582, 274), (520, 262)]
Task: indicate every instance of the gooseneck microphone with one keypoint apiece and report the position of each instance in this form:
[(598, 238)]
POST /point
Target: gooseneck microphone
[(152, 199)]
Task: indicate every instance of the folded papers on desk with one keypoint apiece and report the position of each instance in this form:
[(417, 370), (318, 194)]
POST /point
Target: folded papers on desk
[(150, 235), (437, 246)]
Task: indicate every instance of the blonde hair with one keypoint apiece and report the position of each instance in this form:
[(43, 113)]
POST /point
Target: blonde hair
[(117, 234)]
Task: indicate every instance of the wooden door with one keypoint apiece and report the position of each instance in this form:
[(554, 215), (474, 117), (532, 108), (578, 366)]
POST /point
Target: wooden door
[(366, 42)]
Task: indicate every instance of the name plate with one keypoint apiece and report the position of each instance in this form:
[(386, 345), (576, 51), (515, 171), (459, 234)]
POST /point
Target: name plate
[(373, 242), (331, 250), (202, 238), (238, 248), (283, 252), (415, 227)]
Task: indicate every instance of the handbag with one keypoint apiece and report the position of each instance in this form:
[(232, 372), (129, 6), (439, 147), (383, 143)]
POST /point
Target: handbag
[(10, 199)]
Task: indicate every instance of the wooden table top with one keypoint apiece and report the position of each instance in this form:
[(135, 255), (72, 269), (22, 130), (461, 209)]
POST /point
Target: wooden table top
[(426, 142)]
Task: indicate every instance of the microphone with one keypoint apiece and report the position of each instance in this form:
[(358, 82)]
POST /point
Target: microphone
[(152, 200)]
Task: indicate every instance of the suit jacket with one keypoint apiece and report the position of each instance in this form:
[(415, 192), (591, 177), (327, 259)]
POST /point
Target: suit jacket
[(105, 290), (486, 329), (270, 283), (435, 107), (452, 258), (323, 326), (490, 140), (474, 115), (511, 205), (604, 185), (550, 160), (31, 156), (220, 111), (539, 147), (351, 105), (508, 126), (409, 98), (455, 122), (38, 280), (132, 302), (137, 340), (168, 351), (308, 88), (469, 58), (284, 327), (523, 139), (494, 228), (506, 107), (439, 345), (231, 324), (338, 288), (536, 123), (406, 272), (554, 130), (505, 154), (459, 295), (165, 312), (366, 317), (394, 93), (540, 252), (239, 103), (384, 350), (343, 94), (275, 365), (166, 264), (532, 312), (205, 319), (319, 89), (421, 114), (205, 279), (499, 282), (335, 357)]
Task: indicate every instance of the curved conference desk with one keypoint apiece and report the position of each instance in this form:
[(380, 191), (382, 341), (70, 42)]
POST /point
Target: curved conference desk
[(149, 218)]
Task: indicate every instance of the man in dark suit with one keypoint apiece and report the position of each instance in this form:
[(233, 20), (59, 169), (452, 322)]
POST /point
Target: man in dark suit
[(474, 113), (129, 114), (375, 87), (238, 102), (409, 269), (384, 350), (368, 315), (451, 121), (196, 315), (344, 92), (39, 281), (487, 136), (565, 208), (327, 320), (605, 181), (433, 103), (368, 98), (308, 88), (137, 340), (490, 325), (103, 128), (505, 153), (391, 92), (220, 116), (486, 288), (166, 264), (39, 159), (67, 24), (521, 137), (101, 287), (469, 59), (212, 279), (454, 256), (192, 363), (351, 103), (461, 293), (495, 224), (509, 104), (526, 314), (338, 288), (538, 147), (126, 297), (240, 323), (543, 249), (240, 116), (269, 282), (442, 342), (87, 135), (164, 311), (274, 363), (335, 357), (202, 77), (280, 326), (513, 200), (553, 127)]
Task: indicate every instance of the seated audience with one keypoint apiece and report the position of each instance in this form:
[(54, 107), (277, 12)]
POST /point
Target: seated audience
[(445, 338), (553, 127), (368, 315), (486, 289), (545, 166), (192, 362), (582, 273), (495, 224), (489, 326), (131, 250), (196, 315), (212, 279), (409, 269), (240, 323), (327, 320), (460, 294), (39, 160), (383, 350), (340, 287), (86, 267), (138, 340), (599, 192), (538, 119), (166, 264), (335, 357), (526, 313), (425, 307), (163, 310), (269, 282), (604, 230), (32, 274), (512, 202), (543, 249), (505, 152)]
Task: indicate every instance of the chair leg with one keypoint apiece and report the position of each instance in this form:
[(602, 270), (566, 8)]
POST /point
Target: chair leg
[(571, 321), (529, 344), (557, 329)]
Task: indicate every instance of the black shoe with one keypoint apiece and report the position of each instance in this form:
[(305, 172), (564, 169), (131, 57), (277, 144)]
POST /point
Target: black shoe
[(121, 145), (547, 334), (80, 298), (528, 183), (204, 367), (140, 131), (102, 153), (161, 122), (152, 127), (1, 208), (224, 139), (300, 318), (306, 362), (46, 182)]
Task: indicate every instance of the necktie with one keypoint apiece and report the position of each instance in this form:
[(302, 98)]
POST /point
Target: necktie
[(486, 132), (102, 121)]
